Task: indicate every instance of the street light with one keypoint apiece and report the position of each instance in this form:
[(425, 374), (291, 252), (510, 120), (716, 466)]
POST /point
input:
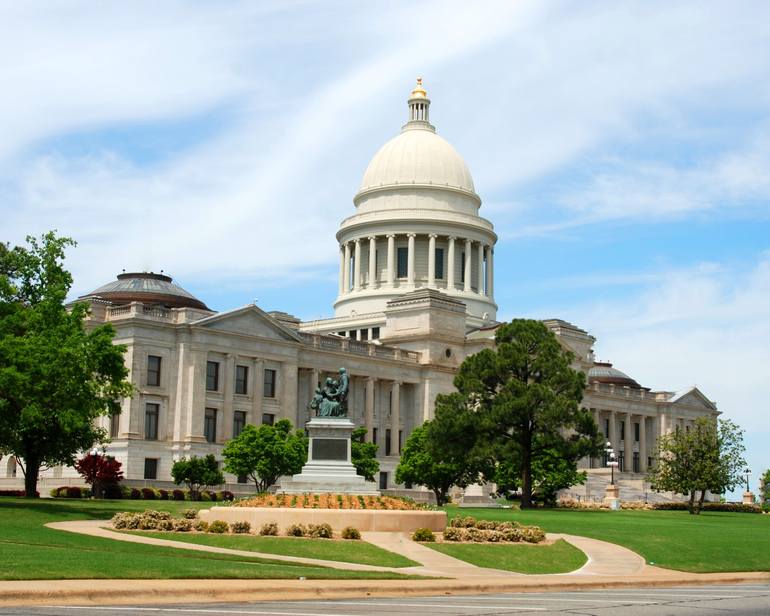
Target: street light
[(748, 472), (611, 462)]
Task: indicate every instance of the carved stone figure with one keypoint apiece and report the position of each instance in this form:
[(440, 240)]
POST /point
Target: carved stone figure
[(331, 400)]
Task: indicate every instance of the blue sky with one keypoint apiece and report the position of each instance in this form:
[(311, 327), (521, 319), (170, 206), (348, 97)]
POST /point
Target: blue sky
[(622, 151)]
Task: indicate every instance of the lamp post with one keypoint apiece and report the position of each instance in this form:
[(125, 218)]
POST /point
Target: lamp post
[(748, 472), (612, 493), (611, 461)]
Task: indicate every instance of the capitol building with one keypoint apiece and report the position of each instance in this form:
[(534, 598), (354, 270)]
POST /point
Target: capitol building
[(416, 296)]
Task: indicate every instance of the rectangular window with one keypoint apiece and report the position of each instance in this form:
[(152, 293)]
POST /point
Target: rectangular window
[(636, 461), (363, 334), (636, 432), (462, 266), (621, 461), (239, 422), (400, 437), (606, 428), (151, 468), (268, 418), (375, 333), (153, 370), (374, 435), (242, 479), (402, 262), (387, 442), (353, 334), (210, 425), (383, 481), (439, 273), (622, 430), (241, 380), (212, 376), (114, 424), (151, 413), (340, 333), (269, 390)]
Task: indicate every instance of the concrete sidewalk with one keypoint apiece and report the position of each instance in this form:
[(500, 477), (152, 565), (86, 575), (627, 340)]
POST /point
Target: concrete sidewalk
[(608, 566)]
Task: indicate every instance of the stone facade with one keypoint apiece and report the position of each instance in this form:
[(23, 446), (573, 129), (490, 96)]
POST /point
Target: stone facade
[(416, 297)]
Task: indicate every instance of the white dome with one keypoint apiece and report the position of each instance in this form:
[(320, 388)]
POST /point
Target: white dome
[(417, 156)]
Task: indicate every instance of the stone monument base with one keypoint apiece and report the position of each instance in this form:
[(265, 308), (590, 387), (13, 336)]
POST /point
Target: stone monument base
[(329, 467), (612, 496), (748, 498)]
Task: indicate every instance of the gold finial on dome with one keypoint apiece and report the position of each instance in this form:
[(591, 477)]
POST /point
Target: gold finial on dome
[(419, 91)]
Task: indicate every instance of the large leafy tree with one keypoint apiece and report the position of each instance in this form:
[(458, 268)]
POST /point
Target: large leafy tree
[(363, 454), (197, 473), (101, 472), (764, 486), (56, 376), (442, 452), (527, 400), (265, 453), (707, 458)]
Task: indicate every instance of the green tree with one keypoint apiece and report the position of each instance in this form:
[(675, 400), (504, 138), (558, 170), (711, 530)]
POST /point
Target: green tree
[(707, 458), (364, 455), (197, 473), (266, 452), (764, 487), (527, 400), (442, 452), (56, 376)]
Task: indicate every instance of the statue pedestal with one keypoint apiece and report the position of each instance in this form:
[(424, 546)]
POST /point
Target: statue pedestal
[(748, 498), (329, 467), (612, 496)]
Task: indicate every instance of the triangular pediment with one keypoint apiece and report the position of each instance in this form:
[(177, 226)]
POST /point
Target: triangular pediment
[(251, 321), (693, 397)]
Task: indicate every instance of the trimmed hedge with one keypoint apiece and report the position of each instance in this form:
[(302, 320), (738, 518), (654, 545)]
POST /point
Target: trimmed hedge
[(729, 507), (16, 493), (117, 492)]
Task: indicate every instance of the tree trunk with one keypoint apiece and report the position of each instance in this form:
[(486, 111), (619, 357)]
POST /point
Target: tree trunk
[(31, 471), (700, 500), (691, 504), (439, 497), (526, 474)]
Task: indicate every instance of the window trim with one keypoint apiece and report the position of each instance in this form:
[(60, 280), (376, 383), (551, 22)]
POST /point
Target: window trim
[(210, 416), (272, 390), (148, 436), (244, 381), (212, 377), (157, 373)]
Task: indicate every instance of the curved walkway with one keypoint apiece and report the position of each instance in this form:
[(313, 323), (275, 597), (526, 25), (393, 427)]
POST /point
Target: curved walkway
[(604, 559)]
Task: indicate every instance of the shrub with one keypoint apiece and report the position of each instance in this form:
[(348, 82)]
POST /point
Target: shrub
[(190, 514), (121, 520), (165, 525), (454, 533), (177, 495), (148, 494), (296, 530), (475, 534), (71, 492), (17, 493), (466, 522), (239, 528), (494, 536), (350, 532), (225, 495), (112, 491), (423, 534), (269, 529), (136, 494), (729, 507), (163, 494), (532, 534), (486, 524), (205, 497), (514, 535), (54, 493), (320, 531), (212, 496), (218, 527), (183, 525), (201, 526)]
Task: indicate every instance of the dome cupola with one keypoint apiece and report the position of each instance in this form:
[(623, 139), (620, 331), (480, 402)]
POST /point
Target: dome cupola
[(148, 288)]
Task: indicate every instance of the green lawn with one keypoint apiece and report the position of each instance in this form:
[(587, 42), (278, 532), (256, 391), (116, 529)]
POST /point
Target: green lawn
[(28, 550), (325, 549), (559, 557), (709, 542)]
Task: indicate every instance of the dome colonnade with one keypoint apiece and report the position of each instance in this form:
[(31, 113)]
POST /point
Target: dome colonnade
[(416, 226)]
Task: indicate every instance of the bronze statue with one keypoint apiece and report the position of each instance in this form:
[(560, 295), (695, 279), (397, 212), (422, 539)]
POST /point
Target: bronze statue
[(331, 400)]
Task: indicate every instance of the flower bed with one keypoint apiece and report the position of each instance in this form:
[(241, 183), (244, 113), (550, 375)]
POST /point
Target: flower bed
[(125, 492), (471, 530), (330, 501)]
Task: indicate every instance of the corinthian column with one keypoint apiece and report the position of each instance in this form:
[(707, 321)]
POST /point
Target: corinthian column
[(467, 269), (432, 260), (450, 265), (410, 261), (357, 267), (395, 417), (372, 261), (489, 272), (346, 271), (480, 288), (391, 259)]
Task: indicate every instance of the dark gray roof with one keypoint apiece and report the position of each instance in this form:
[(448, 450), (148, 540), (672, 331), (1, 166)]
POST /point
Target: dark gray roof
[(146, 287)]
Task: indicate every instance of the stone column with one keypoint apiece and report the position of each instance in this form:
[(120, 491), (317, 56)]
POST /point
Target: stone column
[(613, 432), (467, 266), (480, 288), (371, 383), (628, 445), (313, 386), (196, 397), (410, 260), (226, 429), (391, 259), (432, 260), (342, 271), (257, 392), (288, 388), (662, 425), (357, 266), (450, 265), (346, 271), (395, 417), (489, 272), (372, 261), (643, 444)]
